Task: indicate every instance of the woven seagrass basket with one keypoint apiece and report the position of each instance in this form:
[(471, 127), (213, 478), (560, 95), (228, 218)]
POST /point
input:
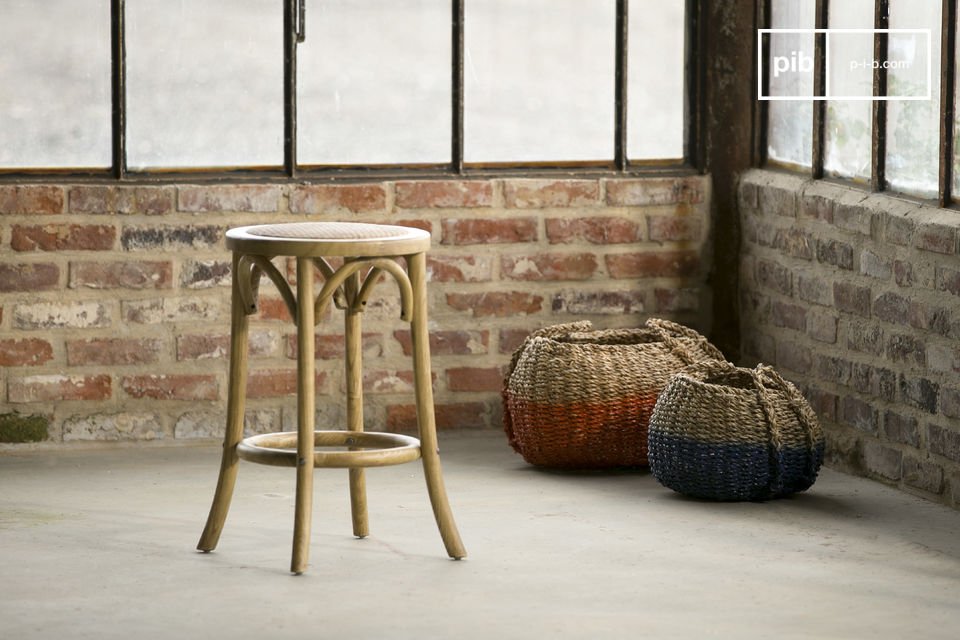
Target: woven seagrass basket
[(577, 398), (721, 432)]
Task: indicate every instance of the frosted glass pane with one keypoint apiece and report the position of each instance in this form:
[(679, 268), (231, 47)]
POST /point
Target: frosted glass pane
[(374, 82), (847, 124), (539, 80), (790, 122), (913, 127), (655, 82), (204, 83), (55, 84)]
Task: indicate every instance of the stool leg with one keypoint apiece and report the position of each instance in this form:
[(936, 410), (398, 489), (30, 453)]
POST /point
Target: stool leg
[(416, 267), (354, 373), (305, 416), (234, 429)]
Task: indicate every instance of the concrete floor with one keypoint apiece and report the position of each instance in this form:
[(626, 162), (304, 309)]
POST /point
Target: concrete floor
[(99, 544)]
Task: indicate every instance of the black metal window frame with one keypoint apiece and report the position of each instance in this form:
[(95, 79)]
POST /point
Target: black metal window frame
[(293, 30), (881, 20)]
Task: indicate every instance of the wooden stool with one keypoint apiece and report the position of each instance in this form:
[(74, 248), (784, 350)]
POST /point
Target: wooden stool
[(362, 246)]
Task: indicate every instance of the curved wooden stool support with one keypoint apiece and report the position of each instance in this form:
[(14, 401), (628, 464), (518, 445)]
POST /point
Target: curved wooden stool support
[(365, 248)]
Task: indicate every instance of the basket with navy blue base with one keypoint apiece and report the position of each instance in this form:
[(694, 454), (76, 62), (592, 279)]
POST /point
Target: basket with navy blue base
[(720, 432)]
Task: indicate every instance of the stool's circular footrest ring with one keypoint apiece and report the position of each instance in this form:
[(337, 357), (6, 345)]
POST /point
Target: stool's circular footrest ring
[(373, 449)]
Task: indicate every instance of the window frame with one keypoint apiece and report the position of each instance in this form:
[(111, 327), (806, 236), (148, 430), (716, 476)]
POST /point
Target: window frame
[(293, 25), (878, 183)]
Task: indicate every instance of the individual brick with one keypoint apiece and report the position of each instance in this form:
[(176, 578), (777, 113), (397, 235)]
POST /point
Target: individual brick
[(578, 301), (882, 461), (938, 238), (774, 276), (790, 316), (113, 351), (387, 381), (337, 199), (948, 280), (462, 231), (899, 230), (459, 268), (61, 315), (943, 358), (659, 264), (816, 207), (865, 338), (815, 289), (892, 307), (944, 441), (833, 369), (654, 191), (822, 327), (121, 275), (859, 414), (488, 379), (903, 273), (31, 199), (823, 403), (135, 238), (57, 387), (453, 415), (851, 298), (778, 201), (549, 266), (836, 253), (163, 310), (674, 300), (919, 392), (218, 198), (41, 276), (25, 352), (113, 427), (795, 242), (62, 237), (496, 303), (204, 274), (674, 228), (853, 217), (602, 230), (444, 194), (950, 402), (900, 428), (874, 265), (908, 349), (172, 386), (512, 339), (276, 383), (793, 357), (924, 475), (541, 194)]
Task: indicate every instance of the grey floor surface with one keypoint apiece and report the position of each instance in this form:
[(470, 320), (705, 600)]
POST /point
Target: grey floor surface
[(99, 544)]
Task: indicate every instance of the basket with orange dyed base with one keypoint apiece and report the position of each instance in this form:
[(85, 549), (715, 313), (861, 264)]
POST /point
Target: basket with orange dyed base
[(577, 398)]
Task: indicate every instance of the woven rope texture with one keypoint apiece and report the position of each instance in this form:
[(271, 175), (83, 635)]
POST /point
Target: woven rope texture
[(577, 398), (721, 432)]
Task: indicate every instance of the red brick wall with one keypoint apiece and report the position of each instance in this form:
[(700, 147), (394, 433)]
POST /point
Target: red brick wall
[(856, 297), (114, 300)]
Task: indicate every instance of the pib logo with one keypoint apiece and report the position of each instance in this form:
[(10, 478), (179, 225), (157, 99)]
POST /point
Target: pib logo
[(794, 62)]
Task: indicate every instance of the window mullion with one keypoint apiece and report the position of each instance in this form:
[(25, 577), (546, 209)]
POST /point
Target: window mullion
[(290, 36), (881, 20), (948, 43), (456, 129), (620, 88), (819, 87), (118, 89)]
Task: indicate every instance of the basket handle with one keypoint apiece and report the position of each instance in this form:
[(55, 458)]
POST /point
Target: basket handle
[(669, 332), (763, 377)]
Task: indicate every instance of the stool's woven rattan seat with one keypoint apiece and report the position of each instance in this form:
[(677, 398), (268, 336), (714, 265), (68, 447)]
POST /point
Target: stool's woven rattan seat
[(367, 250)]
